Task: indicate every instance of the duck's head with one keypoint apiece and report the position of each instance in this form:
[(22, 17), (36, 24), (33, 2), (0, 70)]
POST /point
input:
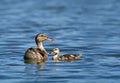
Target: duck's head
[(42, 37), (55, 51)]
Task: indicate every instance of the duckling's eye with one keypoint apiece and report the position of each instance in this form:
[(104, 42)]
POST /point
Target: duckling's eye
[(55, 49)]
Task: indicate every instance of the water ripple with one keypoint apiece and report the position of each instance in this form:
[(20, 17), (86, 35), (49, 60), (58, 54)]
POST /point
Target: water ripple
[(81, 26)]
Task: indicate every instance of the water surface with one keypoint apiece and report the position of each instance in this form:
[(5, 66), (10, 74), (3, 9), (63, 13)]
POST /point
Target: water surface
[(90, 27)]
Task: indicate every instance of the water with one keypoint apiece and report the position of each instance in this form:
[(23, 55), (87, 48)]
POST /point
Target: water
[(90, 27)]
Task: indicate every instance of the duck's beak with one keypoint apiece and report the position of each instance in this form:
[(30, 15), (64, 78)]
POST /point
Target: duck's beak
[(49, 39)]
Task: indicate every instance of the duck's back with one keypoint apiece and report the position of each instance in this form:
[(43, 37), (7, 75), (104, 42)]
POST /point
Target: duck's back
[(34, 54), (69, 56)]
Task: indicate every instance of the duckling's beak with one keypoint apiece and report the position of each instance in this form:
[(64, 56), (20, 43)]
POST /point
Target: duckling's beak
[(51, 52)]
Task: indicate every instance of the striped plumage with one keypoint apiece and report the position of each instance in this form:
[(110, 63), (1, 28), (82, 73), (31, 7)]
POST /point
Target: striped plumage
[(65, 57)]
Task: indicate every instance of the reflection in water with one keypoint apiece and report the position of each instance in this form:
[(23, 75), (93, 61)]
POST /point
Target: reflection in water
[(55, 67), (39, 64)]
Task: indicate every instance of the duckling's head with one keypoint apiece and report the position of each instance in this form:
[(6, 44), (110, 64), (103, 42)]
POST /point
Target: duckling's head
[(42, 37), (55, 51)]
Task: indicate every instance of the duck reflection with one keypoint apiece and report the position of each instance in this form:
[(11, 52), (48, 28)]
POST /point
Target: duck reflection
[(39, 64)]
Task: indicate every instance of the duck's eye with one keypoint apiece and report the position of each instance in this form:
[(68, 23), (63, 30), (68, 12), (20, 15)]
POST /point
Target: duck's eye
[(42, 35)]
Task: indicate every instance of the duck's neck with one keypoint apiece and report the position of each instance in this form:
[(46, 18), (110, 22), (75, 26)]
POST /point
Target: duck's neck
[(40, 46)]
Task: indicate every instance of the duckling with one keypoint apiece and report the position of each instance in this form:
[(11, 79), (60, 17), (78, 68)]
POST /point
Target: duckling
[(39, 54), (65, 57)]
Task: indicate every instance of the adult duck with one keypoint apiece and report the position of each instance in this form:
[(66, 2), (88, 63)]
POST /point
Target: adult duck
[(38, 54)]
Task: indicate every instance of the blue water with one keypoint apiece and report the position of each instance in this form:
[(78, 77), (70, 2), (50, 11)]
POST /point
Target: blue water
[(90, 27)]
